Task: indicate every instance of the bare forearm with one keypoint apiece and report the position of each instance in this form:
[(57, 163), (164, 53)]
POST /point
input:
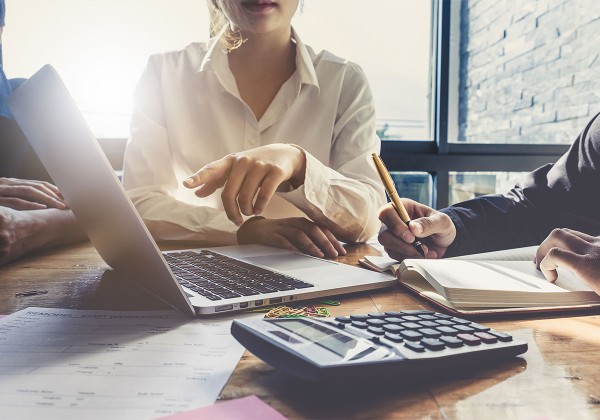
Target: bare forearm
[(59, 227), (22, 232)]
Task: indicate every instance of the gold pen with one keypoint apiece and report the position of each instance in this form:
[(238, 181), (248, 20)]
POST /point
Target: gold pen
[(390, 189)]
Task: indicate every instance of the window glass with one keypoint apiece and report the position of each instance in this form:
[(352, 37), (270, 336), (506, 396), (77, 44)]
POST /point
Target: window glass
[(101, 47), (390, 40), (528, 70), (417, 186), (468, 185)]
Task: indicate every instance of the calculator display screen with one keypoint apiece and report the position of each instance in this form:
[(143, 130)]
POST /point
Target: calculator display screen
[(334, 341)]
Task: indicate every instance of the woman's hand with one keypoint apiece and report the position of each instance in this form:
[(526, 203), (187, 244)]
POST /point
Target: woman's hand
[(251, 174), (294, 233), (574, 250), (23, 194), (434, 228)]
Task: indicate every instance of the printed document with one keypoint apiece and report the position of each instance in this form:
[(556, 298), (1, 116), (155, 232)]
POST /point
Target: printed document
[(80, 364)]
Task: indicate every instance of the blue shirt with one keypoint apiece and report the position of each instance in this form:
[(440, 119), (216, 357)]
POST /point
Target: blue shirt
[(17, 158), (5, 86), (2, 12)]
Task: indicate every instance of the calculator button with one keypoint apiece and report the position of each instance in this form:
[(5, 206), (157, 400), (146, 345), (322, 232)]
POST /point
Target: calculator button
[(459, 320), (410, 325), (376, 330), (396, 338), (447, 330), (501, 336), (451, 341), (359, 317), (428, 317), (445, 322), (478, 327), (394, 314), (464, 329), (418, 312), (430, 332), (359, 324), (469, 339), (485, 337), (433, 344), (411, 335), (393, 320), (442, 316), (393, 328), (377, 315), (411, 318), (429, 324), (414, 346), (344, 319), (375, 322)]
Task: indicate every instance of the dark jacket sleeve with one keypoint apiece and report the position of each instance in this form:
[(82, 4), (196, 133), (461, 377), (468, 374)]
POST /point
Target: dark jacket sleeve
[(564, 194)]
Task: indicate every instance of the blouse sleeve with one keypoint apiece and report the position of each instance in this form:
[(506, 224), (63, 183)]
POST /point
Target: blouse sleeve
[(345, 195), (150, 180)]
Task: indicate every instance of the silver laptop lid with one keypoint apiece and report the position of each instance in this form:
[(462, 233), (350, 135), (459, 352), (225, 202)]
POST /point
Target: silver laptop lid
[(63, 141)]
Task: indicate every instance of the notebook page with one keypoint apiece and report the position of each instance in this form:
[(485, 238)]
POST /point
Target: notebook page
[(516, 254), (486, 275), (566, 279), (383, 263)]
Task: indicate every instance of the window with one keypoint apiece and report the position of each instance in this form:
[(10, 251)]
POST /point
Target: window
[(391, 41), (462, 87), (417, 186), (100, 49), (511, 90), (467, 185), (528, 71)]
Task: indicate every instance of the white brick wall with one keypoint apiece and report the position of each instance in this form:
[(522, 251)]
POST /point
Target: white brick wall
[(529, 69)]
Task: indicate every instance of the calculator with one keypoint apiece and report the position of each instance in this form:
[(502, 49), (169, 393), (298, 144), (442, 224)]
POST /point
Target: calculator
[(401, 345)]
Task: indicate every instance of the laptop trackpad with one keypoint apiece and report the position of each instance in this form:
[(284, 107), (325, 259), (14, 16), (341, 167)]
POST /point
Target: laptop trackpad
[(285, 262)]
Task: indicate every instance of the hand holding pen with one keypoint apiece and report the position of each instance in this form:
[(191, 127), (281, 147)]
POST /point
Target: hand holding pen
[(412, 228), (390, 189)]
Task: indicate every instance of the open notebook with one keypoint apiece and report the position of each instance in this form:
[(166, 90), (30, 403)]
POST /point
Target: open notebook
[(493, 282)]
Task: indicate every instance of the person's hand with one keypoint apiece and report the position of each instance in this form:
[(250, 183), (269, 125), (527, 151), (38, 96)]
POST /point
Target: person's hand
[(574, 250), (436, 230), (22, 194), (294, 233), (251, 174)]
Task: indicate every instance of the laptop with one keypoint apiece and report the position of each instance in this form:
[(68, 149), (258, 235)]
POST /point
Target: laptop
[(200, 281)]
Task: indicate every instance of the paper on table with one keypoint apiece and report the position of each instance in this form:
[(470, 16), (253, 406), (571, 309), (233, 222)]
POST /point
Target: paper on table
[(73, 364), (247, 408), (381, 264)]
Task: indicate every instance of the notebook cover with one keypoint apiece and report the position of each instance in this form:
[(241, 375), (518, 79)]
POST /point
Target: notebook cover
[(499, 312)]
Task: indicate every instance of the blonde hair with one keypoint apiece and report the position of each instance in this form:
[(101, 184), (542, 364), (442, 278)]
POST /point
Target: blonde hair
[(230, 39)]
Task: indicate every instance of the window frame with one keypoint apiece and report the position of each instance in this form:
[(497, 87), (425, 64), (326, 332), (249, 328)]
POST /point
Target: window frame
[(439, 157)]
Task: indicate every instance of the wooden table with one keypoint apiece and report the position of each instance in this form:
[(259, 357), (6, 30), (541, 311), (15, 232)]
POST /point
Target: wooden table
[(559, 376)]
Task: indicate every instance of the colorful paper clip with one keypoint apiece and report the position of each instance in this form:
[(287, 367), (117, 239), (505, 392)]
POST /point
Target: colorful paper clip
[(297, 312)]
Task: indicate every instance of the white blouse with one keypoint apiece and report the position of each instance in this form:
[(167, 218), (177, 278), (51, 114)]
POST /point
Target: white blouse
[(188, 112)]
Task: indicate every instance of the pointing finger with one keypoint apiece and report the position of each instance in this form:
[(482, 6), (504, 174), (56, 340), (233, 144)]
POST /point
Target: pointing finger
[(214, 174)]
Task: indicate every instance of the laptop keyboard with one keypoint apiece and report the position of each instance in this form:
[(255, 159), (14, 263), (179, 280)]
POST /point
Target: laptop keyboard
[(217, 276)]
